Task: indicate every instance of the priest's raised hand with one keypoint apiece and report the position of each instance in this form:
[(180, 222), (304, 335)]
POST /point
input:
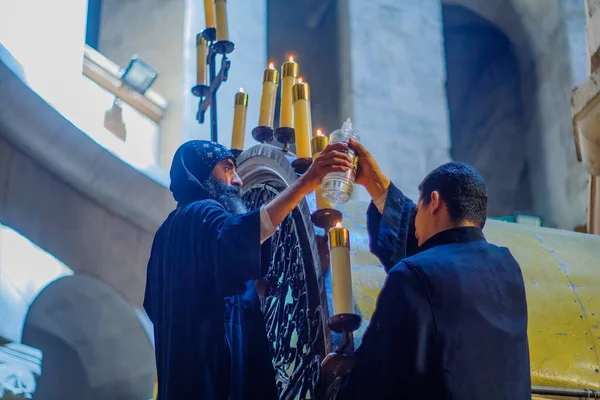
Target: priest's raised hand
[(210, 340)]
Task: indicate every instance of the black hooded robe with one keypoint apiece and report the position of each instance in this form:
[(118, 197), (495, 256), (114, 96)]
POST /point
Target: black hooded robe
[(210, 340), (450, 321)]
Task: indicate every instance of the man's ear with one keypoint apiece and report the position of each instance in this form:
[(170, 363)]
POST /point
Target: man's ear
[(434, 202)]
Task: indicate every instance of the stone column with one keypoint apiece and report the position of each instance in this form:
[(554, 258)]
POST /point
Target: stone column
[(394, 85), (586, 116), (247, 29), (574, 18)]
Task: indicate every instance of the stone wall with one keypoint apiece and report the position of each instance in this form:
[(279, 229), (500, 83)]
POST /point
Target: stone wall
[(395, 85), (308, 30), (592, 28), (153, 30), (547, 44), (486, 108)]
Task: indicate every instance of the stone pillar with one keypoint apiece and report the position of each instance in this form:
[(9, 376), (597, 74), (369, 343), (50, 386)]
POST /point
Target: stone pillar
[(586, 116), (593, 222), (574, 18), (394, 85), (247, 29)]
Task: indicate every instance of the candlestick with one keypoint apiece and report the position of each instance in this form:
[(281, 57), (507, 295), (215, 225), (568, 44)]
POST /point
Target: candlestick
[(339, 244), (201, 51), (302, 118), (221, 15), (269, 94), (318, 143), (209, 13), (289, 73), (239, 120)]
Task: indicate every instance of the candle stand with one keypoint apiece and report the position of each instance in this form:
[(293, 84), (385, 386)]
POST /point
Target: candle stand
[(345, 324), (326, 218), (285, 136), (236, 152), (263, 134), (301, 165), (208, 94)]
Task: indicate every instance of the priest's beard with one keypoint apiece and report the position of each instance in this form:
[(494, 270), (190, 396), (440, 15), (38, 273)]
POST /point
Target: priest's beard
[(229, 196)]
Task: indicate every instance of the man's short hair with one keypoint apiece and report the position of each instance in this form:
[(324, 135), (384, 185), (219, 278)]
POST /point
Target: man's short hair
[(463, 190)]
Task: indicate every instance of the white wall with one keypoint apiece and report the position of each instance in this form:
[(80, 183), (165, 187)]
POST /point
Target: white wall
[(47, 39)]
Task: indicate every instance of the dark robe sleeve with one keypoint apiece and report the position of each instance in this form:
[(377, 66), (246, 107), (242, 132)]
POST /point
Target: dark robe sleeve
[(397, 344), (392, 234), (232, 243)]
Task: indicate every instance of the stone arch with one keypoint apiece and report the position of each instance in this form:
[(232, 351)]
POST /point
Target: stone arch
[(486, 108), (548, 44), (93, 344)]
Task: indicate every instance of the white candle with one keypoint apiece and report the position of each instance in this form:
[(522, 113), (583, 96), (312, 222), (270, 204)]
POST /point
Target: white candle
[(289, 73), (239, 120), (341, 276), (318, 144), (221, 16), (302, 118), (201, 51), (269, 94)]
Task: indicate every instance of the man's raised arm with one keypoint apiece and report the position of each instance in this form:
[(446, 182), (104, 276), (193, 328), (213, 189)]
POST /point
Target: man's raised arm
[(236, 239), (390, 217)]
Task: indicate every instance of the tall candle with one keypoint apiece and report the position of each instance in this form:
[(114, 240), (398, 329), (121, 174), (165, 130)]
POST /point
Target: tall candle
[(289, 73), (221, 14), (239, 120), (209, 13), (269, 94), (302, 118), (318, 144), (341, 276), (201, 50)]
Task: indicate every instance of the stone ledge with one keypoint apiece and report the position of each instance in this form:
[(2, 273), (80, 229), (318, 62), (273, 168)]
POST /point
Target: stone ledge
[(40, 132)]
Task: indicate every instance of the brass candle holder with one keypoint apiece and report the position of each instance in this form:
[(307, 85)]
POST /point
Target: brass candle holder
[(286, 136)]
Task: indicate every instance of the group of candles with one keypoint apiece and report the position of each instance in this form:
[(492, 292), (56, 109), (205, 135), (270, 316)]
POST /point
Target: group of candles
[(215, 13), (294, 109), (294, 113)]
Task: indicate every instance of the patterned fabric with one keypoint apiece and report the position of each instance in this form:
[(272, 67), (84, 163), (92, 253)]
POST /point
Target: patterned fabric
[(192, 165)]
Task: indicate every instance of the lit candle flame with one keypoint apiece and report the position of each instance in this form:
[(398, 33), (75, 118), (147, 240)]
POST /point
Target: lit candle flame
[(291, 58), (338, 224), (241, 90), (319, 132), (300, 80), (271, 65)]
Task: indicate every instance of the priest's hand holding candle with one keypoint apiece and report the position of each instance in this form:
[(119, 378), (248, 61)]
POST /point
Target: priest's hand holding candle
[(318, 143), (289, 73), (302, 118), (341, 276), (239, 120), (269, 94)]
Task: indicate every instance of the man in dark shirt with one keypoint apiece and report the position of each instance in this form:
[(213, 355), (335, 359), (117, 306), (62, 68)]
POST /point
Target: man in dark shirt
[(451, 319)]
